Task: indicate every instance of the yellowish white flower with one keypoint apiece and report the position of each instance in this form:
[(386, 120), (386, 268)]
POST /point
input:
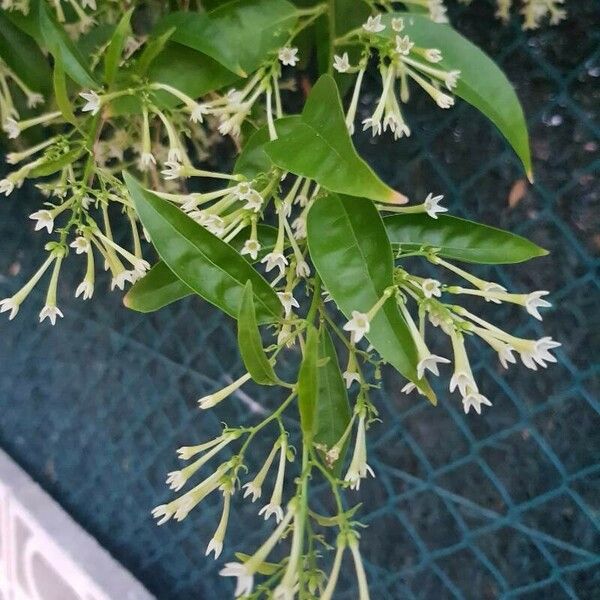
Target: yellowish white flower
[(432, 205), (359, 469), (341, 63), (288, 56), (431, 288), (213, 399), (374, 24), (358, 326)]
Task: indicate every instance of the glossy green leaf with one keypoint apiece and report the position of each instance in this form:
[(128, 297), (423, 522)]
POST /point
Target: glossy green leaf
[(460, 239), (158, 288), (209, 266), (238, 34), (352, 254), (62, 48), (250, 343), (20, 52), (318, 146), (333, 407), (308, 383), (151, 50), (114, 51), (253, 159), (52, 166), (482, 83), (60, 92)]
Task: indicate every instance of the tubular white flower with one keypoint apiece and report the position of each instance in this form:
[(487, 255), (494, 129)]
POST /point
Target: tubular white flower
[(216, 543), (177, 479), (245, 571), (214, 399), (351, 114), (252, 248), (404, 45), (363, 586), (359, 469), (93, 102), (286, 590), (473, 399), (274, 505), (288, 301), (80, 244), (254, 487), (533, 301), (50, 310), (463, 376), (398, 24), (358, 326), (187, 452), (431, 288), (335, 569)]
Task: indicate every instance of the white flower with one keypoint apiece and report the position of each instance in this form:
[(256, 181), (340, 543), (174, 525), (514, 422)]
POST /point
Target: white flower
[(302, 269), (50, 312), (350, 377), (431, 288), (299, 227), (245, 579), (252, 248), (358, 326), (341, 63), (433, 55), (80, 245), (359, 468), (443, 100), (147, 160), (198, 112), (462, 380), (173, 170), (93, 102), (538, 353), (288, 301), (272, 509), (242, 190), (432, 205), (404, 45), (398, 24), (215, 546), (9, 304), (6, 187), (119, 280), (11, 128), (505, 355), (408, 388), (451, 81), (86, 288), (275, 259), (430, 363), (43, 219), (33, 99), (534, 301), (374, 24), (475, 400), (252, 488), (254, 201), (374, 124), (288, 56)]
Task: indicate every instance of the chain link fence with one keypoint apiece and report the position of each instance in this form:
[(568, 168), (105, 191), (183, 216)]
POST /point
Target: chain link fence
[(465, 507)]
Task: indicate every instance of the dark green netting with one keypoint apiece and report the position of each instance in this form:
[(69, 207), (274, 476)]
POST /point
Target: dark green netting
[(499, 506)]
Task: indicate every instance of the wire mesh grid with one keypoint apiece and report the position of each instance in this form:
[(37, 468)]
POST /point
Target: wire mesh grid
[(499, 506)]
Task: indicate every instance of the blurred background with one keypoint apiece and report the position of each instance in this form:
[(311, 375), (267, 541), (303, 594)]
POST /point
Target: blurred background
[(503, 505)]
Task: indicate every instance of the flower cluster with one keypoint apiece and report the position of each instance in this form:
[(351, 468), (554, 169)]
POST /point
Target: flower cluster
[(534, 12)]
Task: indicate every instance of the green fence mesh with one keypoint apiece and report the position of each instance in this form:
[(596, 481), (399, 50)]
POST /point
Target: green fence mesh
[(499, 506)]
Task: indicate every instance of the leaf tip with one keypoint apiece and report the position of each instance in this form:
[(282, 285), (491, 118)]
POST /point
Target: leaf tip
[(398, 198), (530, 177)]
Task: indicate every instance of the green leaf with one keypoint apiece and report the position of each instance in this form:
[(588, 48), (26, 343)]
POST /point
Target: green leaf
[(115, 48), (60, 92), (352, 254), (239, 34), (159, 287), (151, 50), (209, 266), (253, 159), (23, 56), (460, 239), (51, 166), (482, 83), (308, 383), (333, 408), (318, 146), (255, 359), (62, 48)]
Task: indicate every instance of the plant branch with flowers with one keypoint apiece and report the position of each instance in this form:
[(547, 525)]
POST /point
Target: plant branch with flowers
[(113, 111)]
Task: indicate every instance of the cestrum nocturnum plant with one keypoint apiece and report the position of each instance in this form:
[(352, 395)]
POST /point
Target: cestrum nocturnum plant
[(300, 242)]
